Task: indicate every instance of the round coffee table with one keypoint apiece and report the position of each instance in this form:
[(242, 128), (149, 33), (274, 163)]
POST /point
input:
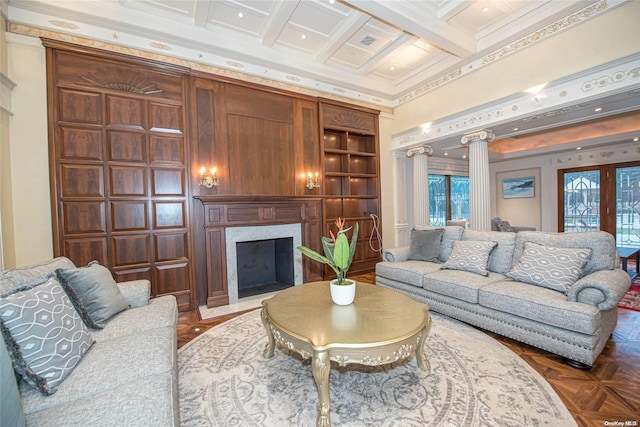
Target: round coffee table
[(380, 327)]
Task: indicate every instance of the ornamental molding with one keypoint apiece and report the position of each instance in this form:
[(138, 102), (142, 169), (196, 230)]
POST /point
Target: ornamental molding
[(423, 149), (350, 120), (6, 87), (120, 79), (523, 42), (479, 135)]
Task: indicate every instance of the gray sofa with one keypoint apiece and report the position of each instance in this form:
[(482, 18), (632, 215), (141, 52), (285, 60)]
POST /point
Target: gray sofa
[(574, 324), (128, 377)]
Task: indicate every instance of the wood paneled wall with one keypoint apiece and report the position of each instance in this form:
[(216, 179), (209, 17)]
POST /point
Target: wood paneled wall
[(119, 165), (128, 137)]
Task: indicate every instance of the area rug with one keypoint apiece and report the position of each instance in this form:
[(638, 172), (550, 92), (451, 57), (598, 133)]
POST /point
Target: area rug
[(474, 381), (631, 299)]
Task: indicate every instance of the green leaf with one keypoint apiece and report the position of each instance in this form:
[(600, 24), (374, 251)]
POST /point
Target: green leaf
[(341, 252)]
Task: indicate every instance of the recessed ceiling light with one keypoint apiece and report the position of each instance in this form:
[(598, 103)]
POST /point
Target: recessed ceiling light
[(636, 139), (515, 128), (598, 109), (240, 15), (578, 148), (303, 36), (392, 68), (446, 153), (485, 9), (464, 156)]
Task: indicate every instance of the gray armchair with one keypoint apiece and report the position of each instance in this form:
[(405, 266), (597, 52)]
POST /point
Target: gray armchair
[(498, 224)]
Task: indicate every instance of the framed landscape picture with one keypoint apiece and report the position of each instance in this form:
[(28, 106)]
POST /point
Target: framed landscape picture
[(515, 188)]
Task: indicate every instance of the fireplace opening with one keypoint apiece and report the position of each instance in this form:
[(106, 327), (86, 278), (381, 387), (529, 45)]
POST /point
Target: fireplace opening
[(264, 266)]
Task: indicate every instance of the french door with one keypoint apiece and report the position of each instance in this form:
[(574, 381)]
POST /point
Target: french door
[(604, 197)]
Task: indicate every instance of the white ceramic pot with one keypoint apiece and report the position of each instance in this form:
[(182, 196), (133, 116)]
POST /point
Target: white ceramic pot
[(343, 294)]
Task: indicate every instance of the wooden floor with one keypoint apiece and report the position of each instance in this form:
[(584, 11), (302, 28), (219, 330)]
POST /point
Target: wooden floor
[(608, 392)]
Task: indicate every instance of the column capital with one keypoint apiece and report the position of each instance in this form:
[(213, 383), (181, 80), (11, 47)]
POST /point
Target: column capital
[(482, 134), (423, 149)]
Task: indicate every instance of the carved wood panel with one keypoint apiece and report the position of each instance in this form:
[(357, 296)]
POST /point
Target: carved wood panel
[(119, 155)]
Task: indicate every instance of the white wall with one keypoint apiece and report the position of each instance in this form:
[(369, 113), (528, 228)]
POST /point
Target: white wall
[(609, 36), (31, 207)]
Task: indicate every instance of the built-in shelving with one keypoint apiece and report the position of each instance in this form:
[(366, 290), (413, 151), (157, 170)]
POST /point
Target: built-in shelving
[(351, 176)]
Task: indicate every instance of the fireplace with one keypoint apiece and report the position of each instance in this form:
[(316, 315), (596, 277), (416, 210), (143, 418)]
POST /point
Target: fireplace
[(262, 259)]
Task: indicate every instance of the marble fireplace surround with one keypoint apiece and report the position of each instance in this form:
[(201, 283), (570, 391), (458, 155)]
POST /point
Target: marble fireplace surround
[(261, 232)]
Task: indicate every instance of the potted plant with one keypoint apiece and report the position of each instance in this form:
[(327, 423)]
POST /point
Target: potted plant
[(338, 254)]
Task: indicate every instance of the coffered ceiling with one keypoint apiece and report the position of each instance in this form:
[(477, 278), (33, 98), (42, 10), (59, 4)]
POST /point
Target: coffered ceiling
[(381, 52), (376, 50)]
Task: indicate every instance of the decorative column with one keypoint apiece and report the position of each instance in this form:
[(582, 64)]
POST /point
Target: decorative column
[(480, 193), (420, 184)]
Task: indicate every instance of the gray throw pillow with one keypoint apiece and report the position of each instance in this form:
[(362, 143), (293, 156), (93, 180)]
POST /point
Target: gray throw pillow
[(93, 292), (44, 333), (503, 226), (425, 245), (550, 267), (471, 256)]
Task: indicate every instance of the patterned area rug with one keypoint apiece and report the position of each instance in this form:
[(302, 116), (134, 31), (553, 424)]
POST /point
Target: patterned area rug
[(474, 381), (631, 299)]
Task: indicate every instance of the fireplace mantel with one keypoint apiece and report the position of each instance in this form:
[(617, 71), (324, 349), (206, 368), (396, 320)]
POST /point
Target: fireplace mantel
[(221, 212)]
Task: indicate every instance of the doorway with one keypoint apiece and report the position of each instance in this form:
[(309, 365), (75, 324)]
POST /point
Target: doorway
[(602, 197)]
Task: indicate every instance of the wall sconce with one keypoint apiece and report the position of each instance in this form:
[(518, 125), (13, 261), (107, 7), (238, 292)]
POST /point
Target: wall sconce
[(209, 180), (312, 181)]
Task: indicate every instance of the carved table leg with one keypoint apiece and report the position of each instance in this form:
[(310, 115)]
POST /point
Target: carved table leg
[(421, 356), (320, 367), (271, 343)]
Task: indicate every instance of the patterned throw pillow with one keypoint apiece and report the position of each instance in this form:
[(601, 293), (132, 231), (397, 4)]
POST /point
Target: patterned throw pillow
[(425, 245), (471, 256), (550, 267), (503, 226), (44, 333), (93, 292)]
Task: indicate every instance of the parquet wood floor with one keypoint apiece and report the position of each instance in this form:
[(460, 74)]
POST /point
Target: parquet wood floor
[(609, 392)]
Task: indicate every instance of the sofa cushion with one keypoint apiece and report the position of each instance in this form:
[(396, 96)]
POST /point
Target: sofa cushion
[(161, 312), (142, 402), (11, 413), (93, 292), (602, 244), (502, 255), (459, 284), (551, 267), (46, 335), (451, 234), (110, 364), (425, 245), (10, 280), (471, 256), (410, 272), (541, 305)]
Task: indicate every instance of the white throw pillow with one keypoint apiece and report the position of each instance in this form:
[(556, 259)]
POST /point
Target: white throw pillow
[(44, 333), (550, 267), (471, 256)]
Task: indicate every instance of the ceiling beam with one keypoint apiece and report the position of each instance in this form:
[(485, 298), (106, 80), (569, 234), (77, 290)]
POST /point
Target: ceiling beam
[(407, 17), (351, 25), (201, 13), (277, 21), (398, 44)]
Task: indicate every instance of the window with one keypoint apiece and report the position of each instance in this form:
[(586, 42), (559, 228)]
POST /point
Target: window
[(448, 198)]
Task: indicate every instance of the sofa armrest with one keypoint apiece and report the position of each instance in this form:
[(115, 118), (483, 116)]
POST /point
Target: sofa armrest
[(136, 292), (603, 289), (396, 254)]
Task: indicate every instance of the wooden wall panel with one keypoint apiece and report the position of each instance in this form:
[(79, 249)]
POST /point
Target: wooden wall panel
[(83, 144), (84, 250), (125, 112), (127, 146), (83, 217), (76, 106), (81, 180)]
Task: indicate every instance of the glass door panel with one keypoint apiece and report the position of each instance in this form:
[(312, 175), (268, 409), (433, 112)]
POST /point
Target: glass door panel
[(581, 201), (437, 199), (628, 206)]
